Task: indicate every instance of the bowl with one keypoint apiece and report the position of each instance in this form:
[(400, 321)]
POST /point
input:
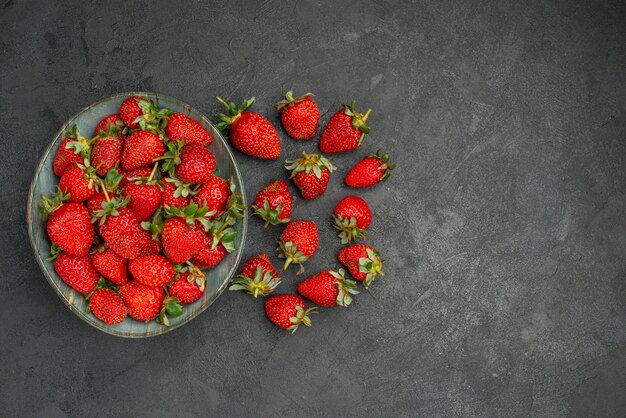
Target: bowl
[(45, 182)]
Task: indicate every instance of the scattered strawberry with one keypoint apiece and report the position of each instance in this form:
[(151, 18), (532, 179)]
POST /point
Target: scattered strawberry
[(214, 195), (143, 302), (257, 277), (273, 203), (369, 171), (189, 286), (106, 154), (111, 125), (152, 270), (300, 116), (328, 288), (110, 265), (78, 183), (288, 311), (310, 173), (196, 165), (345, 130), (298, 242), (352, 216), (250, 132), (363, 262), (182, 127), (107, 306), (77, 272), (209, 256), (140, 149)]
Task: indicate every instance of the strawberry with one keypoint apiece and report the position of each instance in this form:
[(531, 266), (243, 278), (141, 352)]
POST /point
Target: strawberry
[(214, 195), (182, 127), (250, 132), (328, 288), (273, 203), (137, 112), (121, 230), (369, 171), (300, 116), (298, 242), (175, 193), (107, 306), (149, 245), (144, 196), (111, 125), (110, 265), (196, 165), (134, 174), (95, 202), (310, 173), (77, 272), (152, 270), (363, 262), (130, 110), (143, 302), (345, 130), (207, 256), (140, 149), (183, 232), (69, 225), (106, 154), (288, 312), (352, 216), (66, 157), (189, 286), (257, 277), (78, 182)]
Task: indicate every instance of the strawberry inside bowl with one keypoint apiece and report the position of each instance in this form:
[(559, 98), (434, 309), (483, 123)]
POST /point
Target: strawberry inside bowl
[(216, 278)]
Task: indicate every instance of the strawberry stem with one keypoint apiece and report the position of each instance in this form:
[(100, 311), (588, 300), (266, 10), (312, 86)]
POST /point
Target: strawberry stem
[(156, 165)]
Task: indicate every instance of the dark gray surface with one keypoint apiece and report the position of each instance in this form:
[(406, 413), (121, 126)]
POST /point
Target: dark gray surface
[(503, 227)]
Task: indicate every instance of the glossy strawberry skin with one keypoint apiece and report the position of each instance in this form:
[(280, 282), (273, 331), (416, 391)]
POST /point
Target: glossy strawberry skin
[(144, 199), (303, 234), (107, 306), (65, 158), (106, 154), (320, 289), (77, 272), (301, 119), (365, 173), (141, 148), (186, 291), (180, 126), (111, 266), (214, 194), (123, 234), (310, 185), (261, 260), (70, 228), (152, 270), (280, 308), (339, 134), (147, 245), (143, 302), (73, 181), (354, 206), (108, 124), (130, 110), (206, 257), (181, 241), (276, 193), (255, 136), (168, 199), (196, 165)]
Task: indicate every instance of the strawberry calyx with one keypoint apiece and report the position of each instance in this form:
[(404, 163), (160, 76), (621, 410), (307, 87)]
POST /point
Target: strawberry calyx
[(308, 163), (81, 145), (358, 120), (112, 180), (153, 118), (384, 163), (289, 100), (151, 180), (345, 286), (171, 157), (234, 112), (102, 284), (171, 307), (348, 228), (182, 189), (191, 213), (262, 283), (155, 225), (269, 215), (109, 207), (52, 203), (372, 265), (289, 250), (221, 229), (302, 317), (55, 252)]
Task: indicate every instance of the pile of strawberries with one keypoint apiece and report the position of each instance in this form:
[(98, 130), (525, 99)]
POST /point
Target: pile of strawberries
[(253, 134), (138, 212)]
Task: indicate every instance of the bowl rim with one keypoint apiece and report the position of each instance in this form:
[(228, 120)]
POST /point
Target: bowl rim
[(29, 221)]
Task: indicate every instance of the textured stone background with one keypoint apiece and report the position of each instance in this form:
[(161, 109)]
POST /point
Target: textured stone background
[(503, 227)]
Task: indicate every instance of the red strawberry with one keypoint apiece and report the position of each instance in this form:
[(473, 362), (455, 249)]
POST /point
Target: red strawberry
[(134, 174), (180, 240), (122, 232), (273, 203), (77, 272), (107, 306), (288, 311), (106, 154), (189, 286), (112, 125), (257, 277), (363, 262), (345, 130), (175, 193), (69, 225), (140, 149), (208, 257), (196, 165), (300, 116), (66, 157), (250, 132), (145, 198), (182, 127), (298, 242), (78, 183), (143, 302), (148, 245), (310, 173), (130, 110), (152, 270), (95, 202), (352, 216), (369, 171), (328, 288), (214, 194), (110, 265)]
